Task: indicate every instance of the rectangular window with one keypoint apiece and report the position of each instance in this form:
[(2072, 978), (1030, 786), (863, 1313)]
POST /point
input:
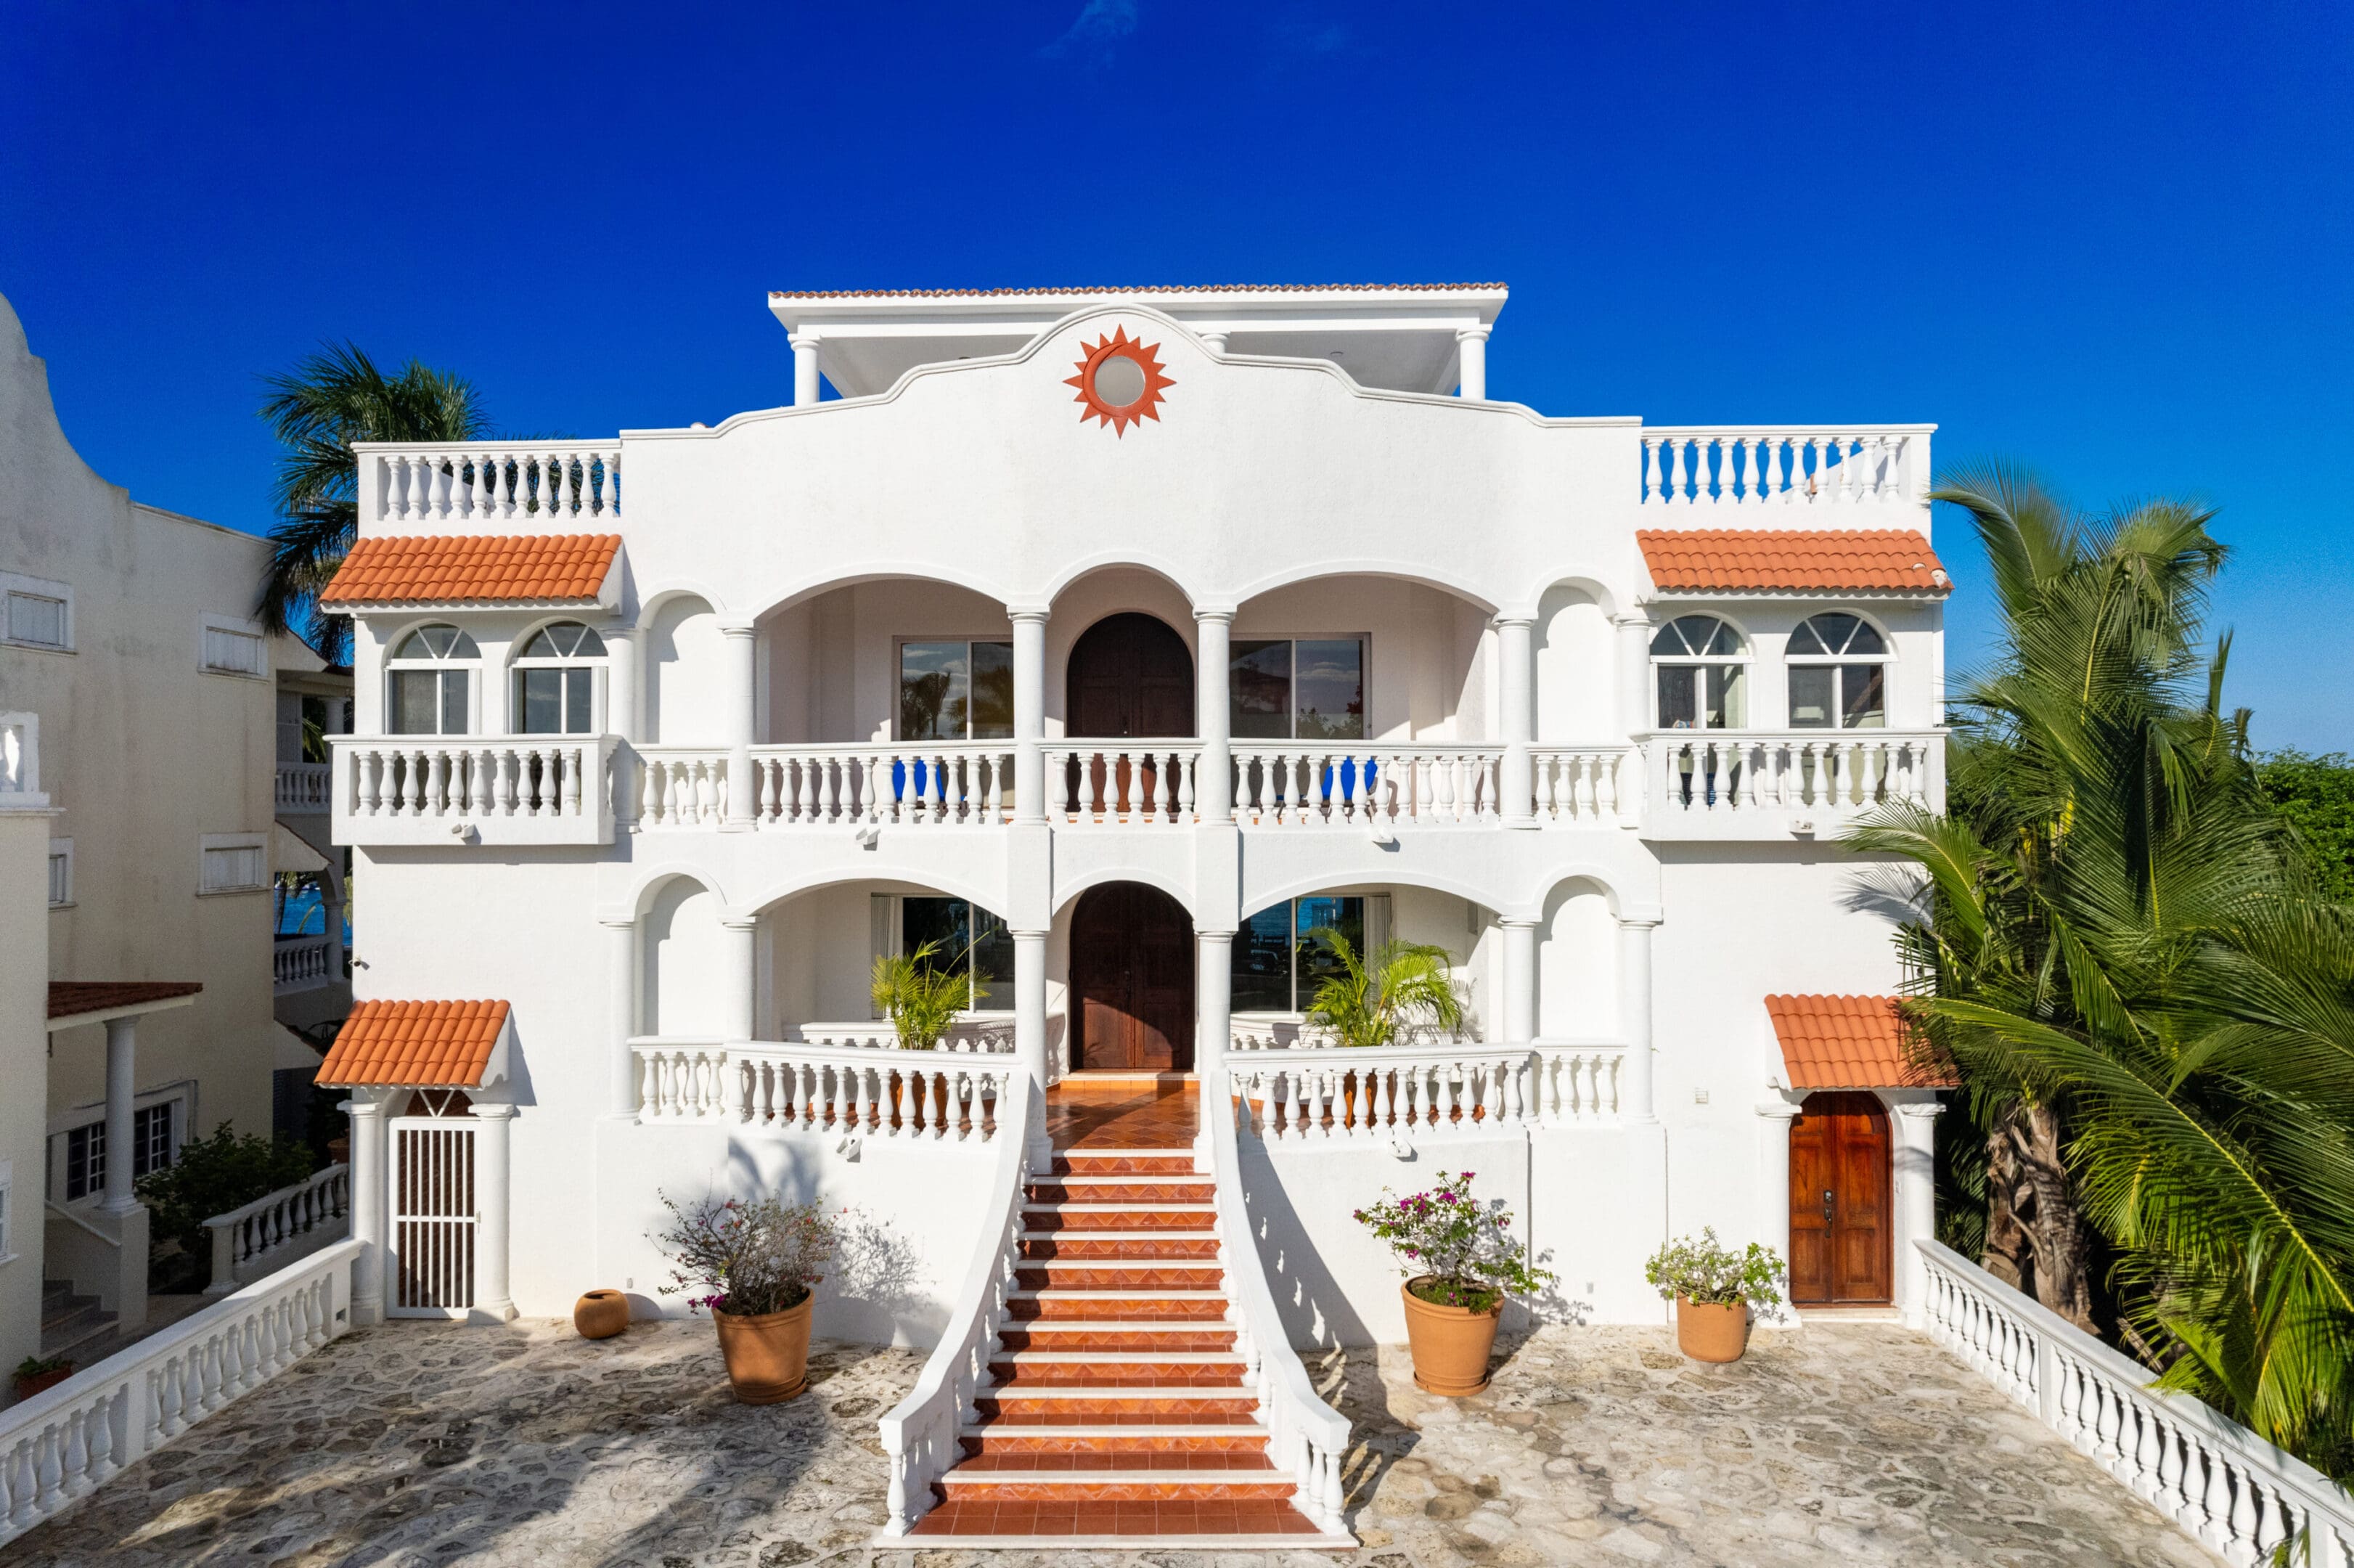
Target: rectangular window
[(1278, 962), (85, 1161), (968, 940), (61, 878), (428, 702), (956, 690), (235, 867), (1296, 689), (231, 647), (554, 701), (1702, 697), (36, 612), (1856, 693), (151, 1137)]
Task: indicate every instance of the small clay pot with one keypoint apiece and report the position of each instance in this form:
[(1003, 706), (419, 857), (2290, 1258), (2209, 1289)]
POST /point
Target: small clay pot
[(1450, 1344), (768, 1355), (1709, 1332), (600, 1314), (41, 1381)]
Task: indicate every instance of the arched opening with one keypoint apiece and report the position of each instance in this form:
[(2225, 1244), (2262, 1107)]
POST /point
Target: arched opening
[(1131, 981), (1842, 1233), (1129, 674)]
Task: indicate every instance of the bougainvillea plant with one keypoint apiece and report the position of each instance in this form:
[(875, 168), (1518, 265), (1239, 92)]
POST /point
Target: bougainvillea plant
[(746, 1259), (1454, 1250), (1709, 1274)]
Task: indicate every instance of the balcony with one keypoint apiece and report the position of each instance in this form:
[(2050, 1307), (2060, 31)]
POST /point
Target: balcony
[(488, 789), (305, 788), (304, 963), (1802, 783), (1749, 475)]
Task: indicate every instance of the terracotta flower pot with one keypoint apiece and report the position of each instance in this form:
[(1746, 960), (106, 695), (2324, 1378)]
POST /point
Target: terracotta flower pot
[(1450, 1344), (1708, 1332), (600, 1314), (768, 1355), (40, 1381)]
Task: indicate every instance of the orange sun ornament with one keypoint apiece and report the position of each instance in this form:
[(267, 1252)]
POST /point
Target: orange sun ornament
[(1120, 381)]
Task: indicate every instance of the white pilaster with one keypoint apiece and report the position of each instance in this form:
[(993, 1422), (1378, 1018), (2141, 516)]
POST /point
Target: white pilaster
[(1914, 1176), (1214, 974), (1635, 1091), (736, 699), (1213, 783), (737, 932), (621, 679), (1471, 349), (1519, 980), (122, 1089), (805, 369), (622, 1012), (493, 1301), (1634, 662), (371, 1188), (1029, 715), (1516, 660), (1030, 1033), (1774, 1119)]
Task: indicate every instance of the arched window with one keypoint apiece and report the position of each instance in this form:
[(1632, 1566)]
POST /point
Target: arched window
[(427, 692), (554, 690), (1700, 659), (1838, 675)]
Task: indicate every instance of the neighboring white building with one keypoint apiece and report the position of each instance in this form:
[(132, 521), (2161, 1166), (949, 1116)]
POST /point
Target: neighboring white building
[(126, 632)]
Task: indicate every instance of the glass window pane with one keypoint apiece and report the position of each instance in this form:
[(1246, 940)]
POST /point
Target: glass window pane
[(1261, 975), (1331, 689), (587, 644), (437, 639), (1317, 962), (1722, 641), (453, 702), (1728, 697), (462, 646), (1804, 642), (538, 701), (1677, 706), (1866, 639), (993, 691), (993, 962), (541, 646), (577, 691), (1258, 684), (34, 617), (934, 692), (413, 647), (1810, 697), (1670, 641), (415, 695), (1863, 693), (944, 922)]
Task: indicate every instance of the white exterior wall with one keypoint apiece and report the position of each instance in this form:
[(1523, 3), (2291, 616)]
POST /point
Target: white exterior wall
[(24, 1044)]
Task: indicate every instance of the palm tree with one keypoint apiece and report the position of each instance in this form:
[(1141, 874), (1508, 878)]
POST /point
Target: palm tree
[(331, 399), (1405, 986)]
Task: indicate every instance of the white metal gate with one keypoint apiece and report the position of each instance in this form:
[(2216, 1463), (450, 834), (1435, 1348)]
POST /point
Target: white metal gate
[(433, 1217)]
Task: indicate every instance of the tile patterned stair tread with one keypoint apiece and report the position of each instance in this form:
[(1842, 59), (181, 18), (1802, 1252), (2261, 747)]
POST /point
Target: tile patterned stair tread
[(1122, 1461), (1246, 1519)]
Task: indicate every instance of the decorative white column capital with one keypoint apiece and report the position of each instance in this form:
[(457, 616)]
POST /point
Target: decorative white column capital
[(1027, 613), (1503, 618), (1472, 333), (733, 922), (1517, 922), (1631, 620), (1223, 612), (1643, 922), (1921, 1110), (803, 339), (491, 1111), (744, 628), (616, 922)]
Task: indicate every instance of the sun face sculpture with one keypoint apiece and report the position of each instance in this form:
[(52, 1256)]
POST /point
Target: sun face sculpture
[(1120, 381)]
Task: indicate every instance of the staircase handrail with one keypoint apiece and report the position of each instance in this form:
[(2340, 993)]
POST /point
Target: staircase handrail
[(920, 1434)]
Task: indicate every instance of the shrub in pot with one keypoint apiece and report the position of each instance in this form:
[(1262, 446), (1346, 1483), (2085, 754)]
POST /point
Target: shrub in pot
[(36, 1374), (1713, 1288), (921, 1000), (1460, 1265), (754, 1265)]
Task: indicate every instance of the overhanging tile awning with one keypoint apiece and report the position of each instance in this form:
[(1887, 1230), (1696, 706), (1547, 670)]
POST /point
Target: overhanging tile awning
[(1792, 560), (1849, 1042), (472, 568), (76, 1002), (420, 1046)]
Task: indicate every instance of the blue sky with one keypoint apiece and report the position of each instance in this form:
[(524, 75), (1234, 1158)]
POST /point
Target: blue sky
[(2110, 242)]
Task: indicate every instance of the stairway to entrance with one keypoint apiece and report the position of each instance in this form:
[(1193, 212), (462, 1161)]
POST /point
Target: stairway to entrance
[(69, 1321), (1119, 1408)]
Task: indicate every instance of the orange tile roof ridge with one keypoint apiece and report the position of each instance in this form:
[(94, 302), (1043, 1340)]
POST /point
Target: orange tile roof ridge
[(1126, 289), (1771, 560), (1835, 1042), (473, 569), (414, 1045)]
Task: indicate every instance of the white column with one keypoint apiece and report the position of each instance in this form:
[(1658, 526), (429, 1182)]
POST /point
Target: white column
[(735, 702), (1914, 1176), (1214, 780), (620, 679), (493, 1303), (1634, 661), (1471, 350), (1519, 980), (1029, 715), (371, 1187), (805, 369), (1516, 656), (1214, 977), (1029, 1035), (121, 1088), (1635, 1093), (742, 970), (622, 1012), (1772, 1221)]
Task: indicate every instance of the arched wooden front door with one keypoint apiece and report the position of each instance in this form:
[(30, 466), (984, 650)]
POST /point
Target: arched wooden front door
[(1131, 980), (1841, 1230), (1129, 675)]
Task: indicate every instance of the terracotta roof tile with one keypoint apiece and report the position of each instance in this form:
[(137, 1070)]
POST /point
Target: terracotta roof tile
[(1849, 1043), (1127, 288), (473, 569), (414, 1045), (71, 999), (1764, 560)]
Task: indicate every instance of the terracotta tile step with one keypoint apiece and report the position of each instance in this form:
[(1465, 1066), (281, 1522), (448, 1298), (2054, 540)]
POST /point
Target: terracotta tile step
[(1065, 1337), (1148, 1274), (1119, 1460), (1017, 1486), (1113, 1402), (1078, 1163), (1061, 1217), (1134, 1190), (1029, 1440), (1009, 1521), (1018, 1377), (1152, 1362), (1124, 1246), (1080, 1306)]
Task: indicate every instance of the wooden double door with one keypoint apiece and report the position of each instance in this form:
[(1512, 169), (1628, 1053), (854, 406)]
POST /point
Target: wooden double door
[(1840, 1235), (1129, 676), (1131, 981)]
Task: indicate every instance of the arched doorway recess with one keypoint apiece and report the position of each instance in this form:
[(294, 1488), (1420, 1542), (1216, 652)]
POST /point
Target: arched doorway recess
[(1131, 981), (1129, 675), (1840, 1224)]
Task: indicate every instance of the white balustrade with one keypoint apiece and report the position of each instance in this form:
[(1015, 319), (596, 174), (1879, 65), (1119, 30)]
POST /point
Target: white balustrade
[(986, 1034), (1127, 783), (1306, 1438), (896, 1096), (302, 963), (920, 1434), (1585, 786), (1387, 1091), (271, 1228), (970, 783), (1366, 785), (304, 788), (682, 786), (509, 788), (1790, 466), (60, 1444), (1831, 770), (544, 482), (1578, 1082), (1275, 1032), (2223, 1485)]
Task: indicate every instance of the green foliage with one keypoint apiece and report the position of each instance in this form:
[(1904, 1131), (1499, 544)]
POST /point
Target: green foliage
[(1703, 1271), (1444, 1234), (2315, 796), (329, 400), (746, 1259), (1408, 986), (40, 1366), (213, 1175), (921, 1000)]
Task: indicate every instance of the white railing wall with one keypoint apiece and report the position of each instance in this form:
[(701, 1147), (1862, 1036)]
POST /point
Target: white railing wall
[(903, 1097), (1810, 466), (545, 483), (1366, 785), (2241, 1497), (987, 1032), (278, 1227), (1128, 782), (1299, 1088), (1305, 1436), (302, 963), (58, 1446), (1724, 772), (304, 788), (1586, 786), (920, 1434)]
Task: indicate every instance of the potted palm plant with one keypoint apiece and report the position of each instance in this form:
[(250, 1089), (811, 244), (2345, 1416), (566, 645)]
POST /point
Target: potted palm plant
[(754, 1265), (1404, 985), (1461, 1265), (920, 1000), (1714, 1288)]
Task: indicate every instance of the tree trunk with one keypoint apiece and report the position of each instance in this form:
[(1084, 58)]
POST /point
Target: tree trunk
[(2036, 1237)]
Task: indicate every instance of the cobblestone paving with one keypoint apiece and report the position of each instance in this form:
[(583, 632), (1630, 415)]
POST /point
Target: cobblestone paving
[(414, 1445)]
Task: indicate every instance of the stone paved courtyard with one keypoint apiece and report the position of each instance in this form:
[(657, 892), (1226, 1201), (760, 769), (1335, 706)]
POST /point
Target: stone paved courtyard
[(414, 1444)]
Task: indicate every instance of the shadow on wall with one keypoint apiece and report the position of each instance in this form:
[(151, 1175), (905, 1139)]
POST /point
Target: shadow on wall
[(872, 1295), (1315, 1312)]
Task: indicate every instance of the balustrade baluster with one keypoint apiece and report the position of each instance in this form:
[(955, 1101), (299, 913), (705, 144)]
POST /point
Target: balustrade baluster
[(1650, 451), (1163, 764)]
